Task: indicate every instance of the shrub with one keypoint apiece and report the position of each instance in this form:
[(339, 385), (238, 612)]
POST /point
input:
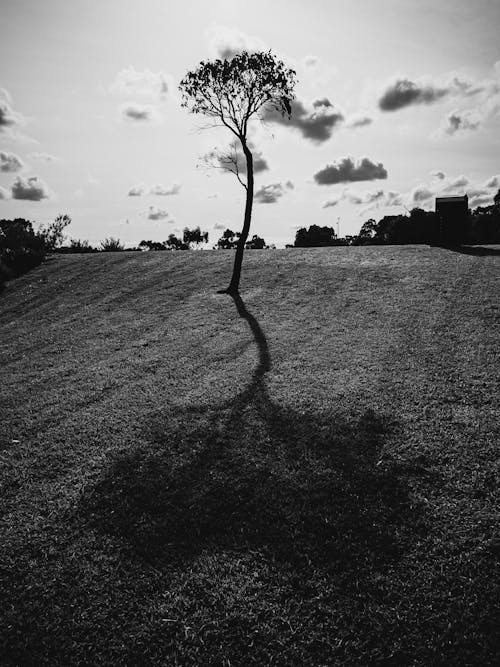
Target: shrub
[(111, 245), (21, 248)]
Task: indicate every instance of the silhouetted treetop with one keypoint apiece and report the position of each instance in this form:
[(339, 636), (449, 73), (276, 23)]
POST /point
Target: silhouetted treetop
[(234, 90)]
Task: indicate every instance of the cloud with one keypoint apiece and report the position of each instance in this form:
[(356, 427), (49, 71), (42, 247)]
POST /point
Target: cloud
[(404, 92), (31, 188), (155, 213), (374, 199), (145, 83), (460, 121), (225, 42), (143, 113), (44, 157), (438, 175), (8, 117), (359, 121), (316, 123), (345, 170), (4, 194), (485, 199), (10, 162), (136, 191), (310, 61), (494, 181), (225, 159), (458, 183), (219, 225), (330, 203), (421, 194), (269, 194), (393, 199), (165, 190)]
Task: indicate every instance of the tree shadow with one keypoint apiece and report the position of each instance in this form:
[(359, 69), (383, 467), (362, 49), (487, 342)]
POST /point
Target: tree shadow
[(478, 251), (307, 487)]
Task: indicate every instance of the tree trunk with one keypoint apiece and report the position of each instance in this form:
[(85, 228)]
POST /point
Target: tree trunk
[(235, 280)]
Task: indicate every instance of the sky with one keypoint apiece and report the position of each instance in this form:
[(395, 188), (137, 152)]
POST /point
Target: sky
[(397, 101)]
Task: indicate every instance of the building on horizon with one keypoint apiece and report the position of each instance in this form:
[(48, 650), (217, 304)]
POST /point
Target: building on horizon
[(452, 214)]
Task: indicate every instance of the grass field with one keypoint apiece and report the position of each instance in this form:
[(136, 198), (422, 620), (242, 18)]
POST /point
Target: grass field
[(307, 475)]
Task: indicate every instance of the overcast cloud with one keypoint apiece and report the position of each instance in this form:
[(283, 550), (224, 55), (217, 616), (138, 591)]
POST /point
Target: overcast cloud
[(346, 170), (315, 123)]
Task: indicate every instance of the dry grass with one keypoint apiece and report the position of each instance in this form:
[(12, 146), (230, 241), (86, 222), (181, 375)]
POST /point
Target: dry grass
[(306, 476)]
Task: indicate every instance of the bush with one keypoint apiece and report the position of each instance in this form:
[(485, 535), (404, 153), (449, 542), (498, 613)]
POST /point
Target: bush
[(21, 248), (111, 245)]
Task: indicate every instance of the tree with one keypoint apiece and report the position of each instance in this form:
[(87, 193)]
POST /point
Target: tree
[(173, 243), (53, 234), (229, 240), (152, 245), (111, 245), (315, 236), (194, 236), (256, 243), (233, 92)]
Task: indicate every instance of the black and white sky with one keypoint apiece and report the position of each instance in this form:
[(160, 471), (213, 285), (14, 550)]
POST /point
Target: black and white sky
[(397, 101)]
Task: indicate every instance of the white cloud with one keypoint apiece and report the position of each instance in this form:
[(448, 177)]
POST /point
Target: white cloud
[(219, 225), (494, 181), (31, 188), (225, 42), (4, 194), (457, 183), (9, 118), (460, 121), (165, 190), (330, 203), (140, 113), (144, 83), (136, 191), (44, 157), (438, 175), (421, 194), (155, 213), (162, 190), (10, 162), (359, 120)]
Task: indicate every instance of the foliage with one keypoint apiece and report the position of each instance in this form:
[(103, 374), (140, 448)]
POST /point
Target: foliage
[(255, 243), (111, 245), (21, 248), (52, 234), (152, 245), (175, 243), (194, 237), (232, 92), (315, 236), (83, 246), (481, 226), (228, 240)]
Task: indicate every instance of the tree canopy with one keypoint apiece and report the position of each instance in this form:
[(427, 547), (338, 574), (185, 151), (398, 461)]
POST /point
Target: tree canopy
[(232, 91)]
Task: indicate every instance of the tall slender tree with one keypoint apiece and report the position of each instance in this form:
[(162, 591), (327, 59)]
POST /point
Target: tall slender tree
[(233, 92)]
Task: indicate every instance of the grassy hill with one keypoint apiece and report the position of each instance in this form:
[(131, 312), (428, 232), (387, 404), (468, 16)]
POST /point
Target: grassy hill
[(307, 475)]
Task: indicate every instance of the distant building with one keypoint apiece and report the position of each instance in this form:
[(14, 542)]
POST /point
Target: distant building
[(452, 214)]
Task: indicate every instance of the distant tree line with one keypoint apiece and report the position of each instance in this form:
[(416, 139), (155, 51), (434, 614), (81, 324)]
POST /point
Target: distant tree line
[(481, 226)]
